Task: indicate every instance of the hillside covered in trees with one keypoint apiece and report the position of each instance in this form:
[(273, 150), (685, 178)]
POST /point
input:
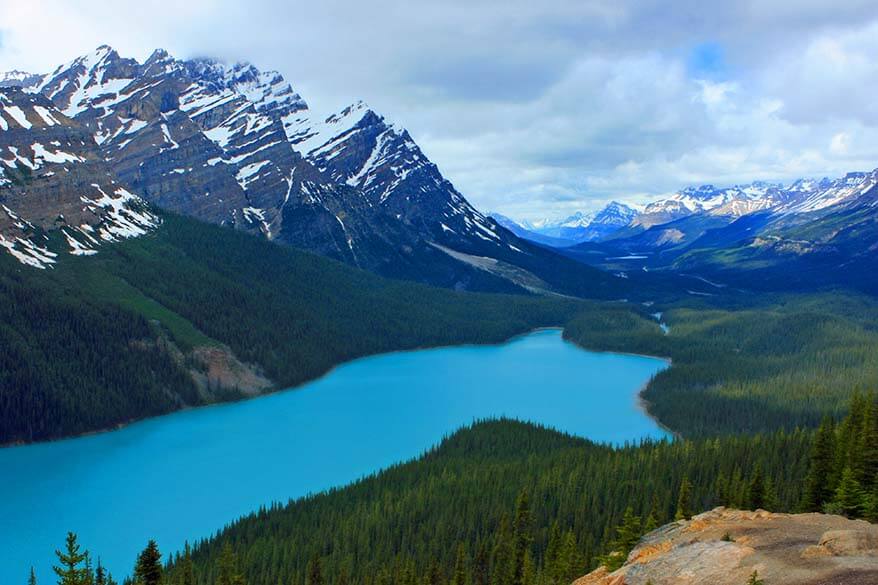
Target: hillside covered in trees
[(509, 503), (102, 340), (501, 502), (743, 363)]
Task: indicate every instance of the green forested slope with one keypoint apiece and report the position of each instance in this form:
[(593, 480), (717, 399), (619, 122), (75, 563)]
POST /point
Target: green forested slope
[(92, 342), (406, 524), (759, 364)]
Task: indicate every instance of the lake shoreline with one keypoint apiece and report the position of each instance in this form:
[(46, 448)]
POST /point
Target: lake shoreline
[(369, 415), (642, 403), (133, 421)]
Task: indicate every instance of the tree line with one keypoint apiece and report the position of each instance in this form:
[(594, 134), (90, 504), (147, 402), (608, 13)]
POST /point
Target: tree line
[(498, 503)]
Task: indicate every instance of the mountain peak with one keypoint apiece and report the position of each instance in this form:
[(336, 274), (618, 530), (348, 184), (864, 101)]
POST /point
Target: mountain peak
[(615, 213), (100, 55)]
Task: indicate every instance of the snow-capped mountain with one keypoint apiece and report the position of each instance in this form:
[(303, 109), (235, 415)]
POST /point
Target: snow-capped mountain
[(578, 219), (230, 144), (814, 196), (581, 226), (53, 179), (17, 78), (615, 214), (730, 202)]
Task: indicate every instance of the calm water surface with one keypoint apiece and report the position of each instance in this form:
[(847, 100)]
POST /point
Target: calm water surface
[(185, 475)]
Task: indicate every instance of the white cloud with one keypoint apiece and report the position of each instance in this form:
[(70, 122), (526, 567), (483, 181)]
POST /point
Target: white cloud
[(536, 108)]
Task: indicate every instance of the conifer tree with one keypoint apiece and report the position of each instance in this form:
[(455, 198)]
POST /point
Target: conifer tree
[(818, 485), (684, 501), (502, 556), (521, 532), (100, 574), (148, 570), (870, 509), (186, 568), (867, 451), (459, 575), (756, 491), (480, 565), (344, 579), (69, 572), (32, 579), (571, 562), (552, 559), (627, 535), (89, 572), (227, 568), (849, 497), (315, 571), (434, 574)]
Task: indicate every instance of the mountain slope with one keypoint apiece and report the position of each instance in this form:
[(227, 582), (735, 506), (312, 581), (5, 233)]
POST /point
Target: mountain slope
[(191, 314), (406, 524), (53, 179), (526, 234), (234, 145), (809, 234)]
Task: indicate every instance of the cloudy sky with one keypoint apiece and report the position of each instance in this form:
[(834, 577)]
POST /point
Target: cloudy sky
[(536, 108)]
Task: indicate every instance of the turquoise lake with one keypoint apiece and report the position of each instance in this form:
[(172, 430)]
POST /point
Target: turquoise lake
[(185, 475)]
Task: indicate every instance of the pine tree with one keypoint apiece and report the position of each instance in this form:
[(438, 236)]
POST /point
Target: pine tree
[(69, 572), (684, 501), (227, 568), (89, 573), (552, 558), (148, 570), (849, 498), (100, 574), (756, 491), (818, 485), (480, 565), (521, 534), (434, 574), (849, 435), (754, 579), (315, 571), (627, 535), (459, 575), (571, 562), (867, 451), (186, 568), (502, 555), (32, 580), (870, 510), (344, 579)]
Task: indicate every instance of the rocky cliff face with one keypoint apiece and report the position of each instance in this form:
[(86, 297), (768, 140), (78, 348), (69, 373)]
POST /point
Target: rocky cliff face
[(725, 547), (54, 181)]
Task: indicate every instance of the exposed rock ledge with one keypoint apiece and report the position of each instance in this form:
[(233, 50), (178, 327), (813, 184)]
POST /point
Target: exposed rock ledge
[(785, 549)]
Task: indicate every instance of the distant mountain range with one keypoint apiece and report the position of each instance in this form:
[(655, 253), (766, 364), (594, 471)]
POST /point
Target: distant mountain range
[(579, 227), (805, 234), (233, 145)]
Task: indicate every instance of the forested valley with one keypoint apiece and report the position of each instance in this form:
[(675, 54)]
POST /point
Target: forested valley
[(744, 364), (501, 502), (102, 340)]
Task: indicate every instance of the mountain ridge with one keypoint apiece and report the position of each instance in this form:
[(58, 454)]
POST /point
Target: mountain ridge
[(229, 144)]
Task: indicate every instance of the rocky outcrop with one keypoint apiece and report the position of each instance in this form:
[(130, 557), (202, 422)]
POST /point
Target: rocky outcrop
[(725, 547)]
